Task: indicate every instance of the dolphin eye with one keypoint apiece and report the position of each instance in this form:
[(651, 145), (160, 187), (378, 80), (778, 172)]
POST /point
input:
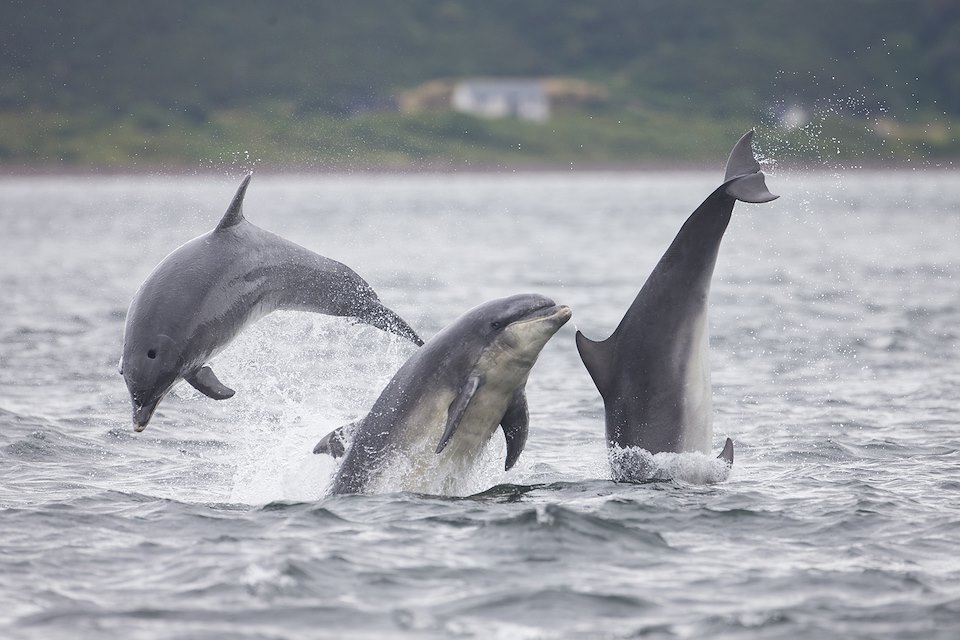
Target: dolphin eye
[(152, 354), (496, 324)]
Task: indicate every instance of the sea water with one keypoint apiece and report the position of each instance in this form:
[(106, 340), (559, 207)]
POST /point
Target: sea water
[(834, 321)]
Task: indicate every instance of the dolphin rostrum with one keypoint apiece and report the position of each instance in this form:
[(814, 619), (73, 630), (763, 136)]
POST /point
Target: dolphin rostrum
[(205, 292), (653, 372), (443, 405)]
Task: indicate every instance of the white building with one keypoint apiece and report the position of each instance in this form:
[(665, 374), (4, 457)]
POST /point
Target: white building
[(492, 98)]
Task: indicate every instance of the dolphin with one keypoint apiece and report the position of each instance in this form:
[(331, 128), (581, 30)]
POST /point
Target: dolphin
[(205, 292), (653, 372), (443, 405)]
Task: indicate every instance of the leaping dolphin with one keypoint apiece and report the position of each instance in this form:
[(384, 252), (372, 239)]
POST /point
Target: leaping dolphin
[(445, 402), (205, 292), (653, 372)]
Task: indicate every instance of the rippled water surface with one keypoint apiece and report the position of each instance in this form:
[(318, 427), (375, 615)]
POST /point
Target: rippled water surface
[(835, 322)]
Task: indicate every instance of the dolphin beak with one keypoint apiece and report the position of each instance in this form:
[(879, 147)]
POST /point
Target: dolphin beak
[(142, 415), (558, 313)]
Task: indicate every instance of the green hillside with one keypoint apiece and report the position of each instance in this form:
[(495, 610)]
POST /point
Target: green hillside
[(316, 84)]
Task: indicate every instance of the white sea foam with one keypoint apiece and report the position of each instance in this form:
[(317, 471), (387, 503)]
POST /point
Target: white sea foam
[(311, 375), (636, 464)]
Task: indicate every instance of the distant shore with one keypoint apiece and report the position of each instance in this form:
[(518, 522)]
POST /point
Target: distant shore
[(451, 168)]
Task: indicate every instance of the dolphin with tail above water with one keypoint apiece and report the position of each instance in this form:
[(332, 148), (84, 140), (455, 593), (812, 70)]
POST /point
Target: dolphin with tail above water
[(205, 292), (653, 372)]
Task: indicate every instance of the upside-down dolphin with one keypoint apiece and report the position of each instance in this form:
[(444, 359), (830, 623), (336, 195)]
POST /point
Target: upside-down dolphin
[(205, 292), (445, 402), (653, 372)]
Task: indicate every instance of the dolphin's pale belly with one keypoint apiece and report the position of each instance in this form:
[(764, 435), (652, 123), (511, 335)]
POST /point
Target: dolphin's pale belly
[(480, 421), (696, 432), (417, 467)]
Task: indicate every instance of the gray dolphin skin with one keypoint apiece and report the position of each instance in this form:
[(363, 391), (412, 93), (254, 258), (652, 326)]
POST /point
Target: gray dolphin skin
[(653, 372), (205, 292), (444, 404)]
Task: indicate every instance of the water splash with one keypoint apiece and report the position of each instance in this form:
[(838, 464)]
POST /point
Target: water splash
[(633, 464), (423, 471), (311, 374)]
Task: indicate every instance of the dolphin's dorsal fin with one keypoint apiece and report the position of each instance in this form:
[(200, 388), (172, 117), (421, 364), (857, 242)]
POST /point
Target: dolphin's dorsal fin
[(234, 214), (596, 357), (516, 425), (205, 381), (743, 178), (457, 408), (727, 454)]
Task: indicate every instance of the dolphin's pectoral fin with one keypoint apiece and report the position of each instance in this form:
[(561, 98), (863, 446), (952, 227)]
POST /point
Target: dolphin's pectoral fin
[(457, 408), (596, 357), (205, 381), (334, 443), (515, 424), (381, 317), (727, 454), (234, 214)]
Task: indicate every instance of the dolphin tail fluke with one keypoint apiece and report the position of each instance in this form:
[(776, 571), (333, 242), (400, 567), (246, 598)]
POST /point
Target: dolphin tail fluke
[(383, 318), (743, 178), (596, 357), (727, 454), (751, 188), (234, 214), (741, 161)]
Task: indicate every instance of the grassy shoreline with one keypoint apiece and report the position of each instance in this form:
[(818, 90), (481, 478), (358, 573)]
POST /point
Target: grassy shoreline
[(272, 140)]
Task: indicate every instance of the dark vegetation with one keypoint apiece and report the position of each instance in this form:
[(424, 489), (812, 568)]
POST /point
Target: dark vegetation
[(292, 83)]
